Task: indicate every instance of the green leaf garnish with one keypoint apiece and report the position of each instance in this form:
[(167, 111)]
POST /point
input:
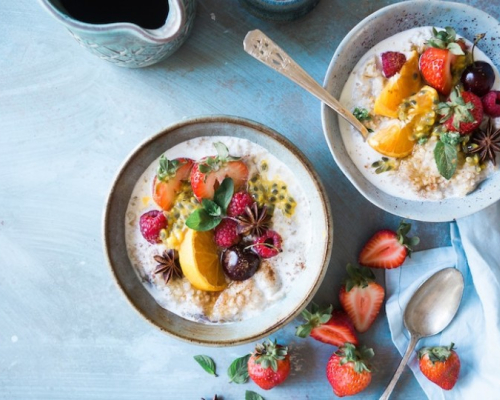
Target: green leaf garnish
[(238, 370), (208, 217), (167, 168), (249, 395), (201, 220), (446, 156), (206, 363), (362, 114)]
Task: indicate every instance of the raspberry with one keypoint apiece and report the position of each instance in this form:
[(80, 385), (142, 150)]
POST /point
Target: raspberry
[(392, 62), (238, 204), (226, 233), (268, 245), (151, 223), (491, 103)]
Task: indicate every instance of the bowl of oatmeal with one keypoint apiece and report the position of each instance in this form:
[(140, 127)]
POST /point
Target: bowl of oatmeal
[(433, 174), (218, 230)]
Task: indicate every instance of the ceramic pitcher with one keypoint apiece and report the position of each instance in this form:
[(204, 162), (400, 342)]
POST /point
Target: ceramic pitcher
[(126, 44)]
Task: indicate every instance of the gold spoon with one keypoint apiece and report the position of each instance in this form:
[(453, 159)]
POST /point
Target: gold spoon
[(259, 46)]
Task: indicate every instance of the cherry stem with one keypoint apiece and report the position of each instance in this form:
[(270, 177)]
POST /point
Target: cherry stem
[(477, 38)]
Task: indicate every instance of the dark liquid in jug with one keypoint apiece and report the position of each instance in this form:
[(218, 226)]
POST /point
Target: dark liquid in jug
[(149, 14)]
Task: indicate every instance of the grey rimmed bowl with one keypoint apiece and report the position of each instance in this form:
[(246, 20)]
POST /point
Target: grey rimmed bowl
[(273, 318), (382, 24)]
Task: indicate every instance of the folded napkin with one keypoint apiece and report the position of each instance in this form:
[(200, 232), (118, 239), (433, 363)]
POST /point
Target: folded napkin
[(475, 251)]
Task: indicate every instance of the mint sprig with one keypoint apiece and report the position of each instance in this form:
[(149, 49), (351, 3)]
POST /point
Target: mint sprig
[(206, 363), (238, 370), (446, 157), (212, 211)]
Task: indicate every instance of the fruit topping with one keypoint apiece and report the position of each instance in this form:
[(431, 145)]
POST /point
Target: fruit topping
[(362, 114), (348, 370), (388, 249), (269, 364), (255, 221), (361, 297), (478, 77), (393, 140), (239, 264), (392, 62), (268, 245), (383, 165), (151, 223), (487, 142), (226, 233), (167, 266), (168, 180), (200, 261), (491, 103), (239, 203), (327, 326), (463, 112), (398, 88), (440, 365), (208, 174)]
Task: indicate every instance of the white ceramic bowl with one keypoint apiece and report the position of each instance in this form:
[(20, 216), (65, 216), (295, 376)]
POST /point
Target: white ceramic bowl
[(384, 23), (273, 318)]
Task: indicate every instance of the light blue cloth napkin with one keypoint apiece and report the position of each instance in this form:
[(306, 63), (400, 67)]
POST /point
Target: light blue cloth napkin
[(475, 251)]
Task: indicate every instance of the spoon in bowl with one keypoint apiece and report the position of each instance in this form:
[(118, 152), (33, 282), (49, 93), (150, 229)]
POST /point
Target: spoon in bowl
[(259, 46), (429, 311)]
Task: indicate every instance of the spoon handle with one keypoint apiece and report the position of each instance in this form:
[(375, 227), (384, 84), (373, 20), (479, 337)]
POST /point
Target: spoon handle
[(411, 346), (259, 46)]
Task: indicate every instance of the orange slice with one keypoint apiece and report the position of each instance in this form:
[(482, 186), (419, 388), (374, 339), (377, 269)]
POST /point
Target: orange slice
[(399, 87), (200, 261), (394, 140)]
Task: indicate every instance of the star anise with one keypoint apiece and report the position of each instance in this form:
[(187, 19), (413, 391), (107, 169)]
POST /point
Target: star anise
[(255, 220), (488, 142), (167, 265)]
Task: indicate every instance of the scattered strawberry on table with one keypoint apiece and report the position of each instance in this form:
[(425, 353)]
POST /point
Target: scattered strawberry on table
[(269, 364), (327, 326), (440, 365), (348, 370), (361, 297), (388, 249)]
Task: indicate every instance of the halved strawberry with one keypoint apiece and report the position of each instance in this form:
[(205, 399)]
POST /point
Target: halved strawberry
[(327, 326), (209, 173), (392, 62), (435, 66), (388, 249), (463, 112), (361, 297), (168, 180)]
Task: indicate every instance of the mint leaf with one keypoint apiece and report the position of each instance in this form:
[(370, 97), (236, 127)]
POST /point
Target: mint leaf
[(206, 363), (238, 370), (249, 395), (222, 150), (445, 155), (201, 220), (361, 114), (224, 193), (211, 208)]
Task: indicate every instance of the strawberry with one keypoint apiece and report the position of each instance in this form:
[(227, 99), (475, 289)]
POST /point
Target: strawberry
[(348, 371), (440, 365), (392, 62), (361, 297), (209, 173), (388, 249), (326, 326), (269, 364), (168, 180), (463, 112), (438, 59)]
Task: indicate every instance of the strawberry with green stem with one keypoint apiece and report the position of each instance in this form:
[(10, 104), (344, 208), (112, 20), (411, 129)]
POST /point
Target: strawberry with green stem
[(327, 326), (269, 364), (440, 365), (168, 180), (462, 113), (361, 297)]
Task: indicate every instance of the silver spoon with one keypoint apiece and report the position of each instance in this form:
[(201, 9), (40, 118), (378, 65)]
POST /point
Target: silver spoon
[(259, 46), (430, 310)]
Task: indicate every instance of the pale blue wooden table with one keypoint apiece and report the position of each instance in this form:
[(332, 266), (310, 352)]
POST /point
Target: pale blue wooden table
[(68, 120)]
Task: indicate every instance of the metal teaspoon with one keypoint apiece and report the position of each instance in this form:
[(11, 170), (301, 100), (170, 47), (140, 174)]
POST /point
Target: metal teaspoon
[(259, 46), (430, 310)]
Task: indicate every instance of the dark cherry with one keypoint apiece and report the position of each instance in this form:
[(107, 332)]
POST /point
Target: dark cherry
[(478, 78), (239, 264)]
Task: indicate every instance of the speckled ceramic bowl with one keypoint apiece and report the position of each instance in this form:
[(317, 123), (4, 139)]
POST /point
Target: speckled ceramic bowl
[(382, 24), (279, 10), (302, 290)]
